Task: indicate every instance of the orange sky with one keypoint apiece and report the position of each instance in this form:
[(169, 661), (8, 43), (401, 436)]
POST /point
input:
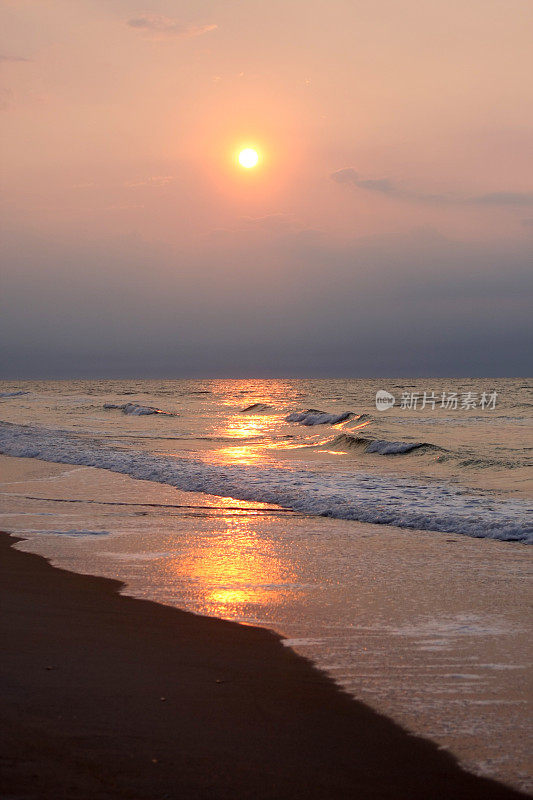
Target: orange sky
[(122, 120)]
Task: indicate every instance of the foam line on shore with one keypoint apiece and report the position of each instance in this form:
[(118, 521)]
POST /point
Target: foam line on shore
[(366, 497)]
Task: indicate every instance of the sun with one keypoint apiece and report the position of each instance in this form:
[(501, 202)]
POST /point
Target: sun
[(248, 158)]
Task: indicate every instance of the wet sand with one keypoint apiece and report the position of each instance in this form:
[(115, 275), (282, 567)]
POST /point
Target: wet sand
[(105, 696)]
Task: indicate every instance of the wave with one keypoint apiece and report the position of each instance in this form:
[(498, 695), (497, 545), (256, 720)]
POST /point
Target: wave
[(381, 446), (12, 394), (384, 500), (71, 532), (254, 509), (491, 463), (315, 417), (137, 410), (256, 408)]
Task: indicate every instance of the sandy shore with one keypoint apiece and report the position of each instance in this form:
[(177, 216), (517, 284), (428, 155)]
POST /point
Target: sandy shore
[(106, 696)]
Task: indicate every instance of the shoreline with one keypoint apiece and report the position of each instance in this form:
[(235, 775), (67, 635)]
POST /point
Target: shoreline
[(108, 696)]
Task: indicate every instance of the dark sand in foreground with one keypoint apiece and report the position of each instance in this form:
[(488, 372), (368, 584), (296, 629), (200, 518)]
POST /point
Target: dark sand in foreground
[(105, 696)]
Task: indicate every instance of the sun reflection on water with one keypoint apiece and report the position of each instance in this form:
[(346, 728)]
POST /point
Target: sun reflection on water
[(236, 568), (255, 428), (248, 426)]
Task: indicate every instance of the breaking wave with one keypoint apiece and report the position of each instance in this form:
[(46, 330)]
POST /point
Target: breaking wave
[(137, 410), (402, 502), (315, 417), (382, 446), (256, 408)]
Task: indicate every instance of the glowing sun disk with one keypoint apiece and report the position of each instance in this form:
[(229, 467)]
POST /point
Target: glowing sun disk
[(248, 158)]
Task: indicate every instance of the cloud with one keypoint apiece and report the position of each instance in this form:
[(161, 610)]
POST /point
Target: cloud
[(381, 186), (349, 175), (276, 227), (269, 222), (13, 58), (384, 186), (154, 180), (505, 199), (158, 26)]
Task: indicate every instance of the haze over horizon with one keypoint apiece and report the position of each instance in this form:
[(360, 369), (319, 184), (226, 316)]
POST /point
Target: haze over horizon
[(387, 229)]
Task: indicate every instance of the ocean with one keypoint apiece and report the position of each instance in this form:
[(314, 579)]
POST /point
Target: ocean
[(386, 544)]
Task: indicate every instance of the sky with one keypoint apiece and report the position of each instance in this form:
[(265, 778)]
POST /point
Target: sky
[(386, 231)]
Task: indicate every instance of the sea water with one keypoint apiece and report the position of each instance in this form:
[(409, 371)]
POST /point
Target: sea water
[(387, 545)]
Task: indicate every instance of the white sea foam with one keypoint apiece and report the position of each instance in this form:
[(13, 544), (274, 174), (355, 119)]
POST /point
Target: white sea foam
[(403, 502), (137, 410)]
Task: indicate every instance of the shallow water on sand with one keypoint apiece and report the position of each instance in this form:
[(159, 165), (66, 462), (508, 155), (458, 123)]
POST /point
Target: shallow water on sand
[(387, 546), (426, 627)]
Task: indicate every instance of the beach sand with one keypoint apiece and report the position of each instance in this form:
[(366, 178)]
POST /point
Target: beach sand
[(106, 696)]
